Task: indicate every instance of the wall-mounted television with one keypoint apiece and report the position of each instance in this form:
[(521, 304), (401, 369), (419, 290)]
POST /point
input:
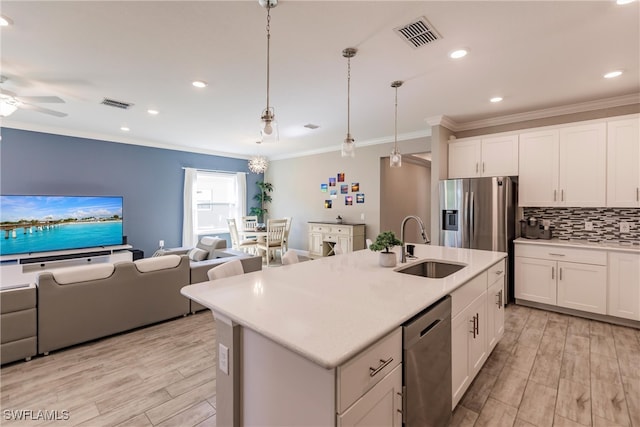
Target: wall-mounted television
[(31, 224)]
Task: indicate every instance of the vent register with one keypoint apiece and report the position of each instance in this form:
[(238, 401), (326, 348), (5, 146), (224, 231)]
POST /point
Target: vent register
[(116, 104), (418, 33)]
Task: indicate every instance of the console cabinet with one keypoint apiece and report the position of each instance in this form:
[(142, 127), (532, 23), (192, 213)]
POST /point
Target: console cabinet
[(324, 236), (487, 156)]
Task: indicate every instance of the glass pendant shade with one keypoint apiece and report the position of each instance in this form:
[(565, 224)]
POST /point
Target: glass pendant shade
[(269, 126), (395, 160), (348, 147)]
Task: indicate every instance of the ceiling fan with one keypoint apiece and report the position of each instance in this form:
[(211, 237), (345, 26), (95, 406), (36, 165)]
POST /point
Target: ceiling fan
[(10, 102)]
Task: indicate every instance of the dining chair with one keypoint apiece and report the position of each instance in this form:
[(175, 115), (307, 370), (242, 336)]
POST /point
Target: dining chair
[(274, 240), (286, 234), (250, 222), (226, 269), (337, 249), (369, 243), (290, 257), (246, 245)]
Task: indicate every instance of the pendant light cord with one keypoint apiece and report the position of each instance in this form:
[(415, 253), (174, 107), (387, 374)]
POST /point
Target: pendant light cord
[(395, 146), (268, 46), (349, 96)]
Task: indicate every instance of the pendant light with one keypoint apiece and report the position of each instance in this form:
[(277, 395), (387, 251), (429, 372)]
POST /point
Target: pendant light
[(258, 164), (349, 144), (268, 124), (395, 160)]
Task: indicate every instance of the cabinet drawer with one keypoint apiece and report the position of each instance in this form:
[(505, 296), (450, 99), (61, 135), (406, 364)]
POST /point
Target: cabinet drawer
[(343, 231), (320, 228), (464, 295), (496, 272), (365, 370), (556, 253)]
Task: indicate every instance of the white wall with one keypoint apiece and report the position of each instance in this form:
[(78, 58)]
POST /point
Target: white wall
[(297, 192)]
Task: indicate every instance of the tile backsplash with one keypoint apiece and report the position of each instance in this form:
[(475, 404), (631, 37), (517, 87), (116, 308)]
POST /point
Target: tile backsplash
[(569, 223)]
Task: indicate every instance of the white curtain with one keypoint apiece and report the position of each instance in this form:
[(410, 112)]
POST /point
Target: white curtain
[(241, 196), (190, 213)]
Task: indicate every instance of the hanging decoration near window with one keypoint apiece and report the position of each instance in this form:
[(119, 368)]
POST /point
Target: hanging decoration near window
[(258, 164)]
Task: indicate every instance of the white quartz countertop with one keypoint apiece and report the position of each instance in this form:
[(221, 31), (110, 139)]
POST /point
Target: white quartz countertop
[(583, 244), (329, 309)]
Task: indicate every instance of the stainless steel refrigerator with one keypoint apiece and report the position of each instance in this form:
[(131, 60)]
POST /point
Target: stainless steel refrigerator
[(480, 213)]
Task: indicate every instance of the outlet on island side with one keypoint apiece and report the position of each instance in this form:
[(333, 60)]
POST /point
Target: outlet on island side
[(161, 244), (624, 227), (588, 226)]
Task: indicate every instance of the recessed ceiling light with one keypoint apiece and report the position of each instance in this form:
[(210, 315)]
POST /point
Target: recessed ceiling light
[(199, 83), (612, 74), (4, 21), (624, 1), (125, 129), (153, 112), (457, 54), (496, 99)]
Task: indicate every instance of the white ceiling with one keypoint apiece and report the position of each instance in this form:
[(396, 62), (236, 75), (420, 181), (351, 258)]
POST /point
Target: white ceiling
[(535, 54)]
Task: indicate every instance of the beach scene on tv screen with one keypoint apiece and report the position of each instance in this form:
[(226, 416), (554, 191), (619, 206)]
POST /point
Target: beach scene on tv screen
[(52, 223)]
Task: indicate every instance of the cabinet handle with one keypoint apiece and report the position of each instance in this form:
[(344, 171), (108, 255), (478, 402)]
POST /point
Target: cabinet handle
[(482, 166), (560, 270), (562, 195), (473, 327), (638, 194), (383, 364), (499, 272), (553, 273), (555, 193), (555, 254), (499, 301), (477, 324), (476, 167)]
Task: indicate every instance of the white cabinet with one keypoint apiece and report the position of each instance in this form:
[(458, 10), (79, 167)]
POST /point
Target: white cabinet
[(380, 406), (486, 156), (563, 167), (468, 334), (566, 277), (324, 236), (623, 162), (495, 305), (624, 285), (369, 386)]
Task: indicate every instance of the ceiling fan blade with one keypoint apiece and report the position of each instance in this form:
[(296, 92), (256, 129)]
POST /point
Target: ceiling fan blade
[(42, 99), (43, 110)]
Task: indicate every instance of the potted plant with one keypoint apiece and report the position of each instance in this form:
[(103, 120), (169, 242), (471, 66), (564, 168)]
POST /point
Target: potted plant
[(262, 197), (384, 242)]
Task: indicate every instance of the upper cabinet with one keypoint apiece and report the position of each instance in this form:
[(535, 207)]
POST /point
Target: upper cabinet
[(564, 167), (486, 156), (623, 163)]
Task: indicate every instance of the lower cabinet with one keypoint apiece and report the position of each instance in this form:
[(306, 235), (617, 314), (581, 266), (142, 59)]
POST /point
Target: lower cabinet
[(624, 285), (382, 405), (469, 334), (582, 287), (535, 280)]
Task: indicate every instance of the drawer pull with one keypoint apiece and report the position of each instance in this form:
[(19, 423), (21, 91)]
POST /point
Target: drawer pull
[(383, 364), (554, 254), (499, 272)]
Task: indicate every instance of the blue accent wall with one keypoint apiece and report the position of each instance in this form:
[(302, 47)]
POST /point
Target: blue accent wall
[(150, 179)]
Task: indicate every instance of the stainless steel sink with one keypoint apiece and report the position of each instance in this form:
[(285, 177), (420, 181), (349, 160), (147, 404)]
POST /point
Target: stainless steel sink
[(431, 269)]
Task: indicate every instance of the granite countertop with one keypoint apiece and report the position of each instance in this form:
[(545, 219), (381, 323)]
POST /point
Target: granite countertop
[(330, 309), (584, 244)]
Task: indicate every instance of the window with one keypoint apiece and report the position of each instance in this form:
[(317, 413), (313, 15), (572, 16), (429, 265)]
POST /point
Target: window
[(216, 200), (210, 199)]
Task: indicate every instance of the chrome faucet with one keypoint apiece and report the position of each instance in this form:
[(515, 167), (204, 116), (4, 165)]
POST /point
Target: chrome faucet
[(403, 253)]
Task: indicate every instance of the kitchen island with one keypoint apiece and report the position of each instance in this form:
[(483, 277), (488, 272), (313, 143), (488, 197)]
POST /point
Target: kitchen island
[(287, 336)]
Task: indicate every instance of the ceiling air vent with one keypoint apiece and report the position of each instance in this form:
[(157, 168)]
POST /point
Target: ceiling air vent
[(418, 33), (117, 104)]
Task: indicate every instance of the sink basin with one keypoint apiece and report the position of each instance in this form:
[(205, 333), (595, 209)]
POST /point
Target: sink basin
[(432, 269)]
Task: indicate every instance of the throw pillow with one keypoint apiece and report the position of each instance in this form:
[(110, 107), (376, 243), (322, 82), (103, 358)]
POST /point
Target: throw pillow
[(197, 254)]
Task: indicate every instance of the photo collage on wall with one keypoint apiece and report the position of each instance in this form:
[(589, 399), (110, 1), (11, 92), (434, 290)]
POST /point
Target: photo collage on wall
[(351, 192)]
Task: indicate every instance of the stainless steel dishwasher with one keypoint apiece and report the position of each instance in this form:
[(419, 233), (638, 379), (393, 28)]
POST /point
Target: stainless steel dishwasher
[(427, 366)]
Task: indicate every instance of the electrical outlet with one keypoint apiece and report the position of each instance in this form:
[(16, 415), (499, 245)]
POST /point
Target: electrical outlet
[(624, 227), (161, 243), (223, 357), (588, 226), (362, 216)]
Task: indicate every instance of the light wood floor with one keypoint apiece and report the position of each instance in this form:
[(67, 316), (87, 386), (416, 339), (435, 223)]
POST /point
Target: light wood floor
[(549, 369)]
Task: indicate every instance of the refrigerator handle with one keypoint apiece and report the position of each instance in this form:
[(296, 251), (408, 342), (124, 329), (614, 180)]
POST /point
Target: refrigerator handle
[(472, 219), (465, 221)]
